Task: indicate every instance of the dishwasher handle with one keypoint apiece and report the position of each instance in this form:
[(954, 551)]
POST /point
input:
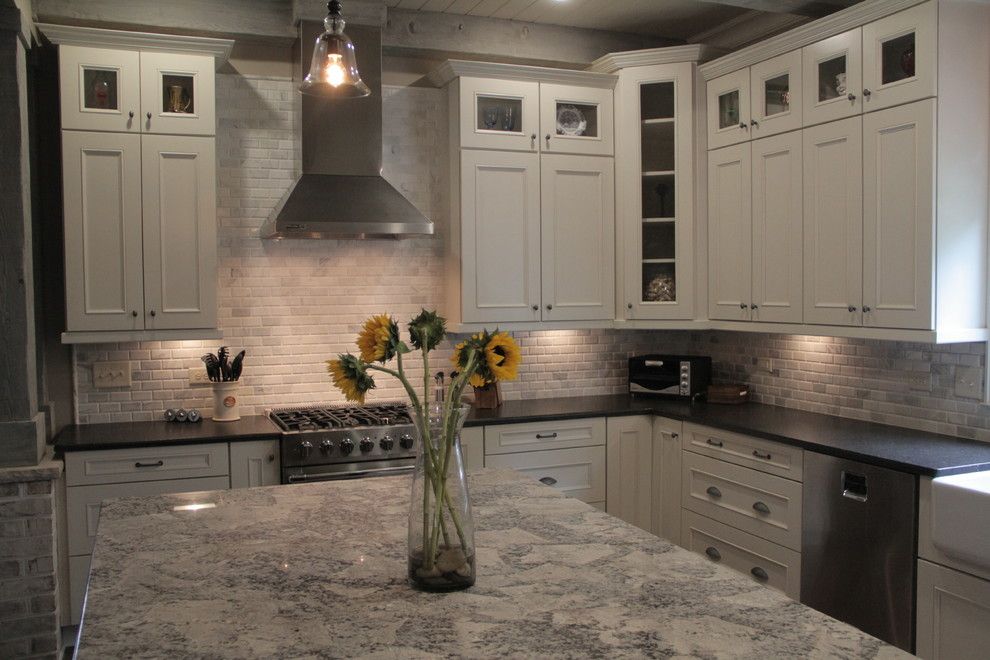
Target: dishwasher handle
[(854, 486)]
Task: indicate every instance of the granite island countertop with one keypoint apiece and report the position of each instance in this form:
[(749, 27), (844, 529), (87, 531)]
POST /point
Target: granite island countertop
[(318, 570)]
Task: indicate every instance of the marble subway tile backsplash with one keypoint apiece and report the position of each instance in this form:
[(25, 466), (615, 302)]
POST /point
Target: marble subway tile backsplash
[(294, 304)]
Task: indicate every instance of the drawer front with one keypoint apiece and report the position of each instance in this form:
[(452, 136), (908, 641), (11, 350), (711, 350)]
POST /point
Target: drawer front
[(763, 455), (82, 503), (578, 473), (540, 436), (765, 562), (763, 505), (146, 464)]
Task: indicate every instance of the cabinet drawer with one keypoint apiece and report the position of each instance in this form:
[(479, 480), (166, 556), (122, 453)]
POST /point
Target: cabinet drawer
[(578, 473), (146, 464), (82, 503), (768, 563), (758, 503), (539, 436), (763, 455)]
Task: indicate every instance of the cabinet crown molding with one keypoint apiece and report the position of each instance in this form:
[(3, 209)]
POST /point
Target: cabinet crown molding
[(649, 56), (805, 35), (453, 69), (147, 41)]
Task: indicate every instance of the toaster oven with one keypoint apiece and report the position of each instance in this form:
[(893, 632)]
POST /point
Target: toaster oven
[(681, 376)]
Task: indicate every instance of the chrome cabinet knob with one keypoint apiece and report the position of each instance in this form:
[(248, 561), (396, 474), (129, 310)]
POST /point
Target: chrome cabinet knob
[(743, 126), (548, 139), (753, 122), (628, 305), (754, 306), (742, 306), (851, 97), (130, 115), (549, 307), (153, 313), (867, 309), (866, 93), (134, 313), (536, 308), (148, 116), (852, 308)]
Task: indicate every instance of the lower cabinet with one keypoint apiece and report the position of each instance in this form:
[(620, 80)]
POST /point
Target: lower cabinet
[(254, 463), (473, 447), (630, 469), (767, 563), (953, 612)]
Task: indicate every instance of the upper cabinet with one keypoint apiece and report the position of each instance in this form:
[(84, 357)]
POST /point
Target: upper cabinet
[(576, 120), (729, 109), (833, 78), (900, 57), (776, 101), (139, 184)]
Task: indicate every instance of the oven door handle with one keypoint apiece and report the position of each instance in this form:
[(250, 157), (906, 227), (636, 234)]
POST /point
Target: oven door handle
[(336, 476)]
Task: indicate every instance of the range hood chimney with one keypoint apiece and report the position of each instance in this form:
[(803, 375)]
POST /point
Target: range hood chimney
[(341, 193)]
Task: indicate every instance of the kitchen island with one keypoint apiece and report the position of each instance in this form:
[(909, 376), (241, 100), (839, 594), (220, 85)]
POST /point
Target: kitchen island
[(318, 570)]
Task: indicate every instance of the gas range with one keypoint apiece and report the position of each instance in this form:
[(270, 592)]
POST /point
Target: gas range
[(327, 442)]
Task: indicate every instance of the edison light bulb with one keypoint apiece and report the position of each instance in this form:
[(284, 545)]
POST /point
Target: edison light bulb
[(335, 71)]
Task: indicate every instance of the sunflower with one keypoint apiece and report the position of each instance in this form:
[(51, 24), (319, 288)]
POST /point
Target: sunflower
[(462, 351), (502, 356), (351, 377), (378, 339)]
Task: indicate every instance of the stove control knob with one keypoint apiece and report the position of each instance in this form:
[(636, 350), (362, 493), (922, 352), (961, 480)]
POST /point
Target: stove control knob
[(367, 445), (305, 448), (406, 441), (326, 446), (386, 443), (346, 446)]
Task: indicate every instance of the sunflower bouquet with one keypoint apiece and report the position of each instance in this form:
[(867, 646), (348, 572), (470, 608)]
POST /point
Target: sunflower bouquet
[(441, 534)]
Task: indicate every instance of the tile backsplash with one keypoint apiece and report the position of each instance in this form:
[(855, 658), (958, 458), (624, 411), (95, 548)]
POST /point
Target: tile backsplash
[(294, 304)]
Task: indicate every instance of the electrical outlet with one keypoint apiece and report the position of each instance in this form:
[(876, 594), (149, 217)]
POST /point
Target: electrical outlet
[(969, 382), (198, 377), (111, 374)]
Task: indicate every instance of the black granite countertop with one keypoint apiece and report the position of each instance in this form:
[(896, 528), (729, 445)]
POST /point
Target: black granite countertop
[(917, 452)]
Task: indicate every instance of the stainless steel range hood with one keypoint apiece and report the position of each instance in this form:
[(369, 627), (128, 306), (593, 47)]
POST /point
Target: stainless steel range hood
[(341, 193)]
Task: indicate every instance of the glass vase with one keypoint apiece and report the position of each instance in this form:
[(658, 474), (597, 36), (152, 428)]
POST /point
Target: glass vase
[(441, 527)]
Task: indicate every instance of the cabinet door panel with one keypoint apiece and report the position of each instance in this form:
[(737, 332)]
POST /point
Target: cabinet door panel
[(900, 57), (177, 94), (667, 479), (100, 89), (833, 223), (898, 216), (953, 610), (578, 237), (730, 233), (103, 264), (777, 229), (833, 78), (728, 109), (180, 232), (564, 106), (500, 230), (777, 97), (629, 461), (254, 463), (499, 114)]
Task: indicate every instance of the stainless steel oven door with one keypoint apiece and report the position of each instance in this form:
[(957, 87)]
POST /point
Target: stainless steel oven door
[(356, 470)]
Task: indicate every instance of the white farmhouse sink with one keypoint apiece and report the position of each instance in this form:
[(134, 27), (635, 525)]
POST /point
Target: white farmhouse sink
[(961, 517)]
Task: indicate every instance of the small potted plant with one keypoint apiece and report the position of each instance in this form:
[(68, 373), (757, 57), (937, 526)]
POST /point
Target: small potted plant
[(224, 374)]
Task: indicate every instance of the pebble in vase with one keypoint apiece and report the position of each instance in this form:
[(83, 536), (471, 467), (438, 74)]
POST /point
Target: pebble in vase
[(224, 374)]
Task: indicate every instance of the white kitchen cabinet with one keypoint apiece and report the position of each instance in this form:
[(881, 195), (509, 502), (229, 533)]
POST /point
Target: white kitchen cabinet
[(952, 613), (542, 436), (578, 234), (833, 223), (833, 77), (100, 89), (729, 109), (576, 120), (900, 57), (101, 188), (777, 99), (655, 201), (730, 233), (629, 461), (498, 114), (756, 453), (473, 447), (180, 231), (499, 236), (777, 220), (667, 479), (578, 473), (899, 216), (254, 463), (177, 94)]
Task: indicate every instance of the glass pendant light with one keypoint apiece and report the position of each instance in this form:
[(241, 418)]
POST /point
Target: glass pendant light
[(334, 72)]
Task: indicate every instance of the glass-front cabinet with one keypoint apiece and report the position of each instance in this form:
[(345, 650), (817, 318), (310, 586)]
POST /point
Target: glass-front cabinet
[(499, 114), (729, 117), (177, 94), (899, 58), (655, 192), (833, 78), (101, 89), (576, 120), (776, 88)]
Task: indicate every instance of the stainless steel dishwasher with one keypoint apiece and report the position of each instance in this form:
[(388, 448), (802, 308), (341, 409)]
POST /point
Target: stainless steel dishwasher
[(858, 546)]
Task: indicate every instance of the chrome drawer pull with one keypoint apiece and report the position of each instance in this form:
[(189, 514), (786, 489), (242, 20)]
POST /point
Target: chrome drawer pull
[(546, 436), (714, 443), (158, 463), (759, 574), (765, 457), (760, 507), (549, 481), (713, 553), (713, 491)]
